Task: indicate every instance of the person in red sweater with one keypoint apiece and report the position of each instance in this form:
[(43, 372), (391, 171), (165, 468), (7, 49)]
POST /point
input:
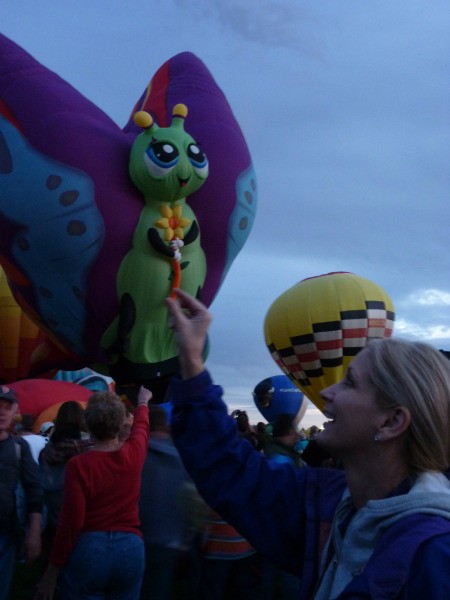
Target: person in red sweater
[(98, 551)]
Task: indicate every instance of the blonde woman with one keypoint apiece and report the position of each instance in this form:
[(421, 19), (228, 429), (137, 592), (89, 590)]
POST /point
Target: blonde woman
[(378, 529)]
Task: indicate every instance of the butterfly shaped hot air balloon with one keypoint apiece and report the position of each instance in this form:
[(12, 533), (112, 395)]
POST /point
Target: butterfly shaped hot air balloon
[(315, 328), (69, 210)]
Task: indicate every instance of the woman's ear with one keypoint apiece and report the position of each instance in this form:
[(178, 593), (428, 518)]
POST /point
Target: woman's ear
[(396, 423)]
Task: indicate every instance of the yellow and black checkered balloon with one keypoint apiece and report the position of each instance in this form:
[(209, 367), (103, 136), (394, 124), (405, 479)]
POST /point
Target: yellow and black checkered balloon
[(314, 329)]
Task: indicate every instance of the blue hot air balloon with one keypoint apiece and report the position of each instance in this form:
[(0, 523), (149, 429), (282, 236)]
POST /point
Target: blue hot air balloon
[(277, 395)]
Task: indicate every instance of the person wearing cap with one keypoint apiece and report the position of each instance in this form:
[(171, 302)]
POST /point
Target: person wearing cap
[(46, 429), (15, 469), (282, 448)]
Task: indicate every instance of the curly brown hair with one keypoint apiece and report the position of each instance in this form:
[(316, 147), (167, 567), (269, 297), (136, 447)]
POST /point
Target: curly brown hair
[(104, 415)]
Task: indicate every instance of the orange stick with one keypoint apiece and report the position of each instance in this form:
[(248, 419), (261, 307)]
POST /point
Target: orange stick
[(176, 277)]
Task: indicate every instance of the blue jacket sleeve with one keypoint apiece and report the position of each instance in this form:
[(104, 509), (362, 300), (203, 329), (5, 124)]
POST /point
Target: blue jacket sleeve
[(429, 571), (284, 512)]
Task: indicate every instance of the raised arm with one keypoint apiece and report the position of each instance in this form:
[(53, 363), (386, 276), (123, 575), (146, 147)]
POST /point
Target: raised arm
[(190, 320)]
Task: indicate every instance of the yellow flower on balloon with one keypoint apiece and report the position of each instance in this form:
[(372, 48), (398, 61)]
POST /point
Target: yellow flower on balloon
[(172, 222)]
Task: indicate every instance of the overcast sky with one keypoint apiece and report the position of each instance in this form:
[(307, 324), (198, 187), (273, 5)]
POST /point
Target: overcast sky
[(345, 109)]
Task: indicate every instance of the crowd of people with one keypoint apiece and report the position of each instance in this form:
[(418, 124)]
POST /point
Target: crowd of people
[(190, 551), (126, 505)]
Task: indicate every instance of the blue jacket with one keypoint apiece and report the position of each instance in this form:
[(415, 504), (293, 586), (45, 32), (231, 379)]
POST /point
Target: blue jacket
[(408, 563), (286, 513), (17, 465), (164, 518)]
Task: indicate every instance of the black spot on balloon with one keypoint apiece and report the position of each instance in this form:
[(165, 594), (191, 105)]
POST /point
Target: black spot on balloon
[(249, 197), (53, 182), (253, 184), (45, 292), (23, 243), (76, 228), (68, 198), (243, 223)]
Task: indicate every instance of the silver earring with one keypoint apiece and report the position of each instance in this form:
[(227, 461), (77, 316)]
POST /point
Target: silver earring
[(377, 437)]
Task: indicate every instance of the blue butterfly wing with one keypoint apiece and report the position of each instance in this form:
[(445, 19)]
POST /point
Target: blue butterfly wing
[(242, 218), (59, 232)]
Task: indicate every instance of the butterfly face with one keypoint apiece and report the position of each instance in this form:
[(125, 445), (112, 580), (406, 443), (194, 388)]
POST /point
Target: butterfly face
[(166, 163)]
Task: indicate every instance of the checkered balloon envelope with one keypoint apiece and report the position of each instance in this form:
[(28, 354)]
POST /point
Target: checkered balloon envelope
[(314, 329)]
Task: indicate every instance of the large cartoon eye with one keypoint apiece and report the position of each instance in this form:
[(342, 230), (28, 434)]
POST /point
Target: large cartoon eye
[(161, 158), (198, 159)]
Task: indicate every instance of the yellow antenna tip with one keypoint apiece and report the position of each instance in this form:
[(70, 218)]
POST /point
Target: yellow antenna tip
[(180, 110), (143, 119)]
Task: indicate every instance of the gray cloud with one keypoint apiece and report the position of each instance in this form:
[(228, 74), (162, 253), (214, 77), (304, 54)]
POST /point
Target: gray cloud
[(274, 23)]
